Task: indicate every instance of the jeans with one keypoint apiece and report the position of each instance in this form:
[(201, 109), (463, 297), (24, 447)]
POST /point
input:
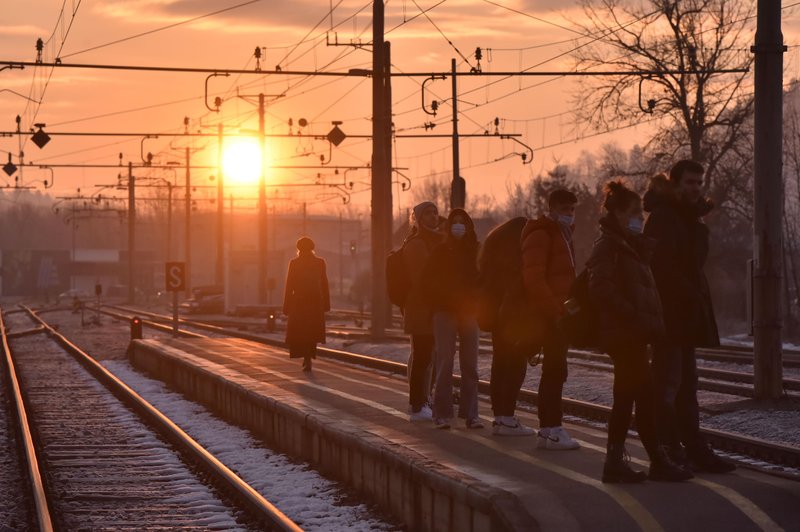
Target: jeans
[(509, 365), (446, 327), (677, 411), (633, 384), (419, 370), (554, 374)]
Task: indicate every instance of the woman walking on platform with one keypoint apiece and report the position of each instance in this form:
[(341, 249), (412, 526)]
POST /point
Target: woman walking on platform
[(628, 310), (305, 301), (450, 280)]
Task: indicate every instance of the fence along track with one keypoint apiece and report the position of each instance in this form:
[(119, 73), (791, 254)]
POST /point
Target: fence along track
[(760, 449), (261, 509)]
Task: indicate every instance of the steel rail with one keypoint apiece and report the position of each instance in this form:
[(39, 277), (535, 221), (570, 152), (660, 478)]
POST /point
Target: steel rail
[(263, 509), (773, 452), (32, 461), (713, 380)]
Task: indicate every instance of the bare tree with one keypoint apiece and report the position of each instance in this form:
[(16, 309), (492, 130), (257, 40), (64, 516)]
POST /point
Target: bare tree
[(704, 109)]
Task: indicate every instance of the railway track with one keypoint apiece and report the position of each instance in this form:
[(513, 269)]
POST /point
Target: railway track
[(770, 452), (100, 457), (713, 380)]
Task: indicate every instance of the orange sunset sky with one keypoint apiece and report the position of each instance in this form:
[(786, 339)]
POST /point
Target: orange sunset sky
[(294, 34)]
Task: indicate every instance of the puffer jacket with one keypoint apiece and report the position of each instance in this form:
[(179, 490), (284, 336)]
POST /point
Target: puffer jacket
[(682, 244), (418, 313), (622, 288), (548, 267)]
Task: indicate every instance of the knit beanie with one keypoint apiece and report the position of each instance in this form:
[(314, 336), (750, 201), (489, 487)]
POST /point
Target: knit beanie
[(420, 208)]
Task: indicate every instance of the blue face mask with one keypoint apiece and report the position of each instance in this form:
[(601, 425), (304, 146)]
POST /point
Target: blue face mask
[(564, 219), (458, 230), (636, 226)]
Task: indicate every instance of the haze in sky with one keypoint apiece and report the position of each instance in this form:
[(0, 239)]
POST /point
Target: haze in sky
[(513, 35)]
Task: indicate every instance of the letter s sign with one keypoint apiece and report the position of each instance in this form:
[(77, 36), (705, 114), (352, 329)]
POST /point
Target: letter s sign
[(175, 276)]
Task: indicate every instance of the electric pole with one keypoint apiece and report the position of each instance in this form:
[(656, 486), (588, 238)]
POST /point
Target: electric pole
[(381, 170), (262, 206), (458, 188), (188, 234), (768, 199), (131, 235), (219, 272)]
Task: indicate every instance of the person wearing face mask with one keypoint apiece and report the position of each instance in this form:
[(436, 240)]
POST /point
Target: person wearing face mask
[(677, 206), (628, 310), (450, 280), (417, 311), (548, 272)]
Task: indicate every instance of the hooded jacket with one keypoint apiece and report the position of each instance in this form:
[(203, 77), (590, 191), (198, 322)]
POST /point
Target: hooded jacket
[(622, 288), (682, 244), (450, 278), (417, 312)]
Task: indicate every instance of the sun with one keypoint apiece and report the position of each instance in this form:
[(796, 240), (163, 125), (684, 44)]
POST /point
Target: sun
[(241, 161)]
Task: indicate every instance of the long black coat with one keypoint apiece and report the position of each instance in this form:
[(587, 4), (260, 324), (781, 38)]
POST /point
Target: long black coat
[(682, 243), (306, 300), (622, 288)]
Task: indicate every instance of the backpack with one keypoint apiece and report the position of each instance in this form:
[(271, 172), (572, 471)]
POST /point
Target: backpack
[(500, 265), (397, 282), (580, 320)]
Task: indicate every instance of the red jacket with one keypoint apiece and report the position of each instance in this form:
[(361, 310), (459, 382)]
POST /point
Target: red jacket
[(548, 267)]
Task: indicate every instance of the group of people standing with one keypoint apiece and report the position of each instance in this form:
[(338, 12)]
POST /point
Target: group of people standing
[(646, 287)]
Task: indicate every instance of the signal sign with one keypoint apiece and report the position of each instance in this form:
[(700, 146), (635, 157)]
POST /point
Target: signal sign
[(175, 275)]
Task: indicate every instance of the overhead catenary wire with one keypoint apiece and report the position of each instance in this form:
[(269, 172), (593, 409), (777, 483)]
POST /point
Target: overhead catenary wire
[(163, 28), (40, 99)]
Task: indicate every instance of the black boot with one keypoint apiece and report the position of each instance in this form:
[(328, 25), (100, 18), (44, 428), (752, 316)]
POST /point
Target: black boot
[(702, 459), (617, 468), (307, 364), (663, 468)]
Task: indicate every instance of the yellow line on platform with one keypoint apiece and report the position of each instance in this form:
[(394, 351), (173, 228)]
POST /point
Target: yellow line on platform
[(632, 506), (628, 503), (742, 503)]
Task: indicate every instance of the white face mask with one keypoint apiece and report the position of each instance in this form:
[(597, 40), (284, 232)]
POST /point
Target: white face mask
[(635, 225), (567, 220), (458, 230)]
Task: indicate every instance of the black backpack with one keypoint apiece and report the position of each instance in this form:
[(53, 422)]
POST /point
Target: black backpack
[(500, 266), (397, 282), (580, 319)]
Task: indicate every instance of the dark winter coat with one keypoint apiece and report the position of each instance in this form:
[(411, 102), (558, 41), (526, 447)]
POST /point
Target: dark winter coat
[(548, 267), (417, 312), (682, 244), (450, 278), (306, 300), (622, 288)]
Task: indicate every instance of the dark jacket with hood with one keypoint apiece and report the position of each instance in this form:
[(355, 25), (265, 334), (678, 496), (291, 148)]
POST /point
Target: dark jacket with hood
[(417, 248), (622, 288), (450, 278), (682, 244)]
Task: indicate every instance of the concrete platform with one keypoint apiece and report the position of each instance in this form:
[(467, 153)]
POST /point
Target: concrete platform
[(351, 423)]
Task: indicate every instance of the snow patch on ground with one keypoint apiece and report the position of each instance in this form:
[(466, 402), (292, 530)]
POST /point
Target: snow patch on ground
[(312, 501)]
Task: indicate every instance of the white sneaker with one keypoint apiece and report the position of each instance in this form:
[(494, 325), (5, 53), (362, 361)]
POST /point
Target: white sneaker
[(556, 439), (503, 427), (425, 414)]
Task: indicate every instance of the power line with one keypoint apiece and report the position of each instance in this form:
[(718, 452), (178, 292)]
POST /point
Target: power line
[(156, 30), (290, 52), (442, 34), (50, 74)]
